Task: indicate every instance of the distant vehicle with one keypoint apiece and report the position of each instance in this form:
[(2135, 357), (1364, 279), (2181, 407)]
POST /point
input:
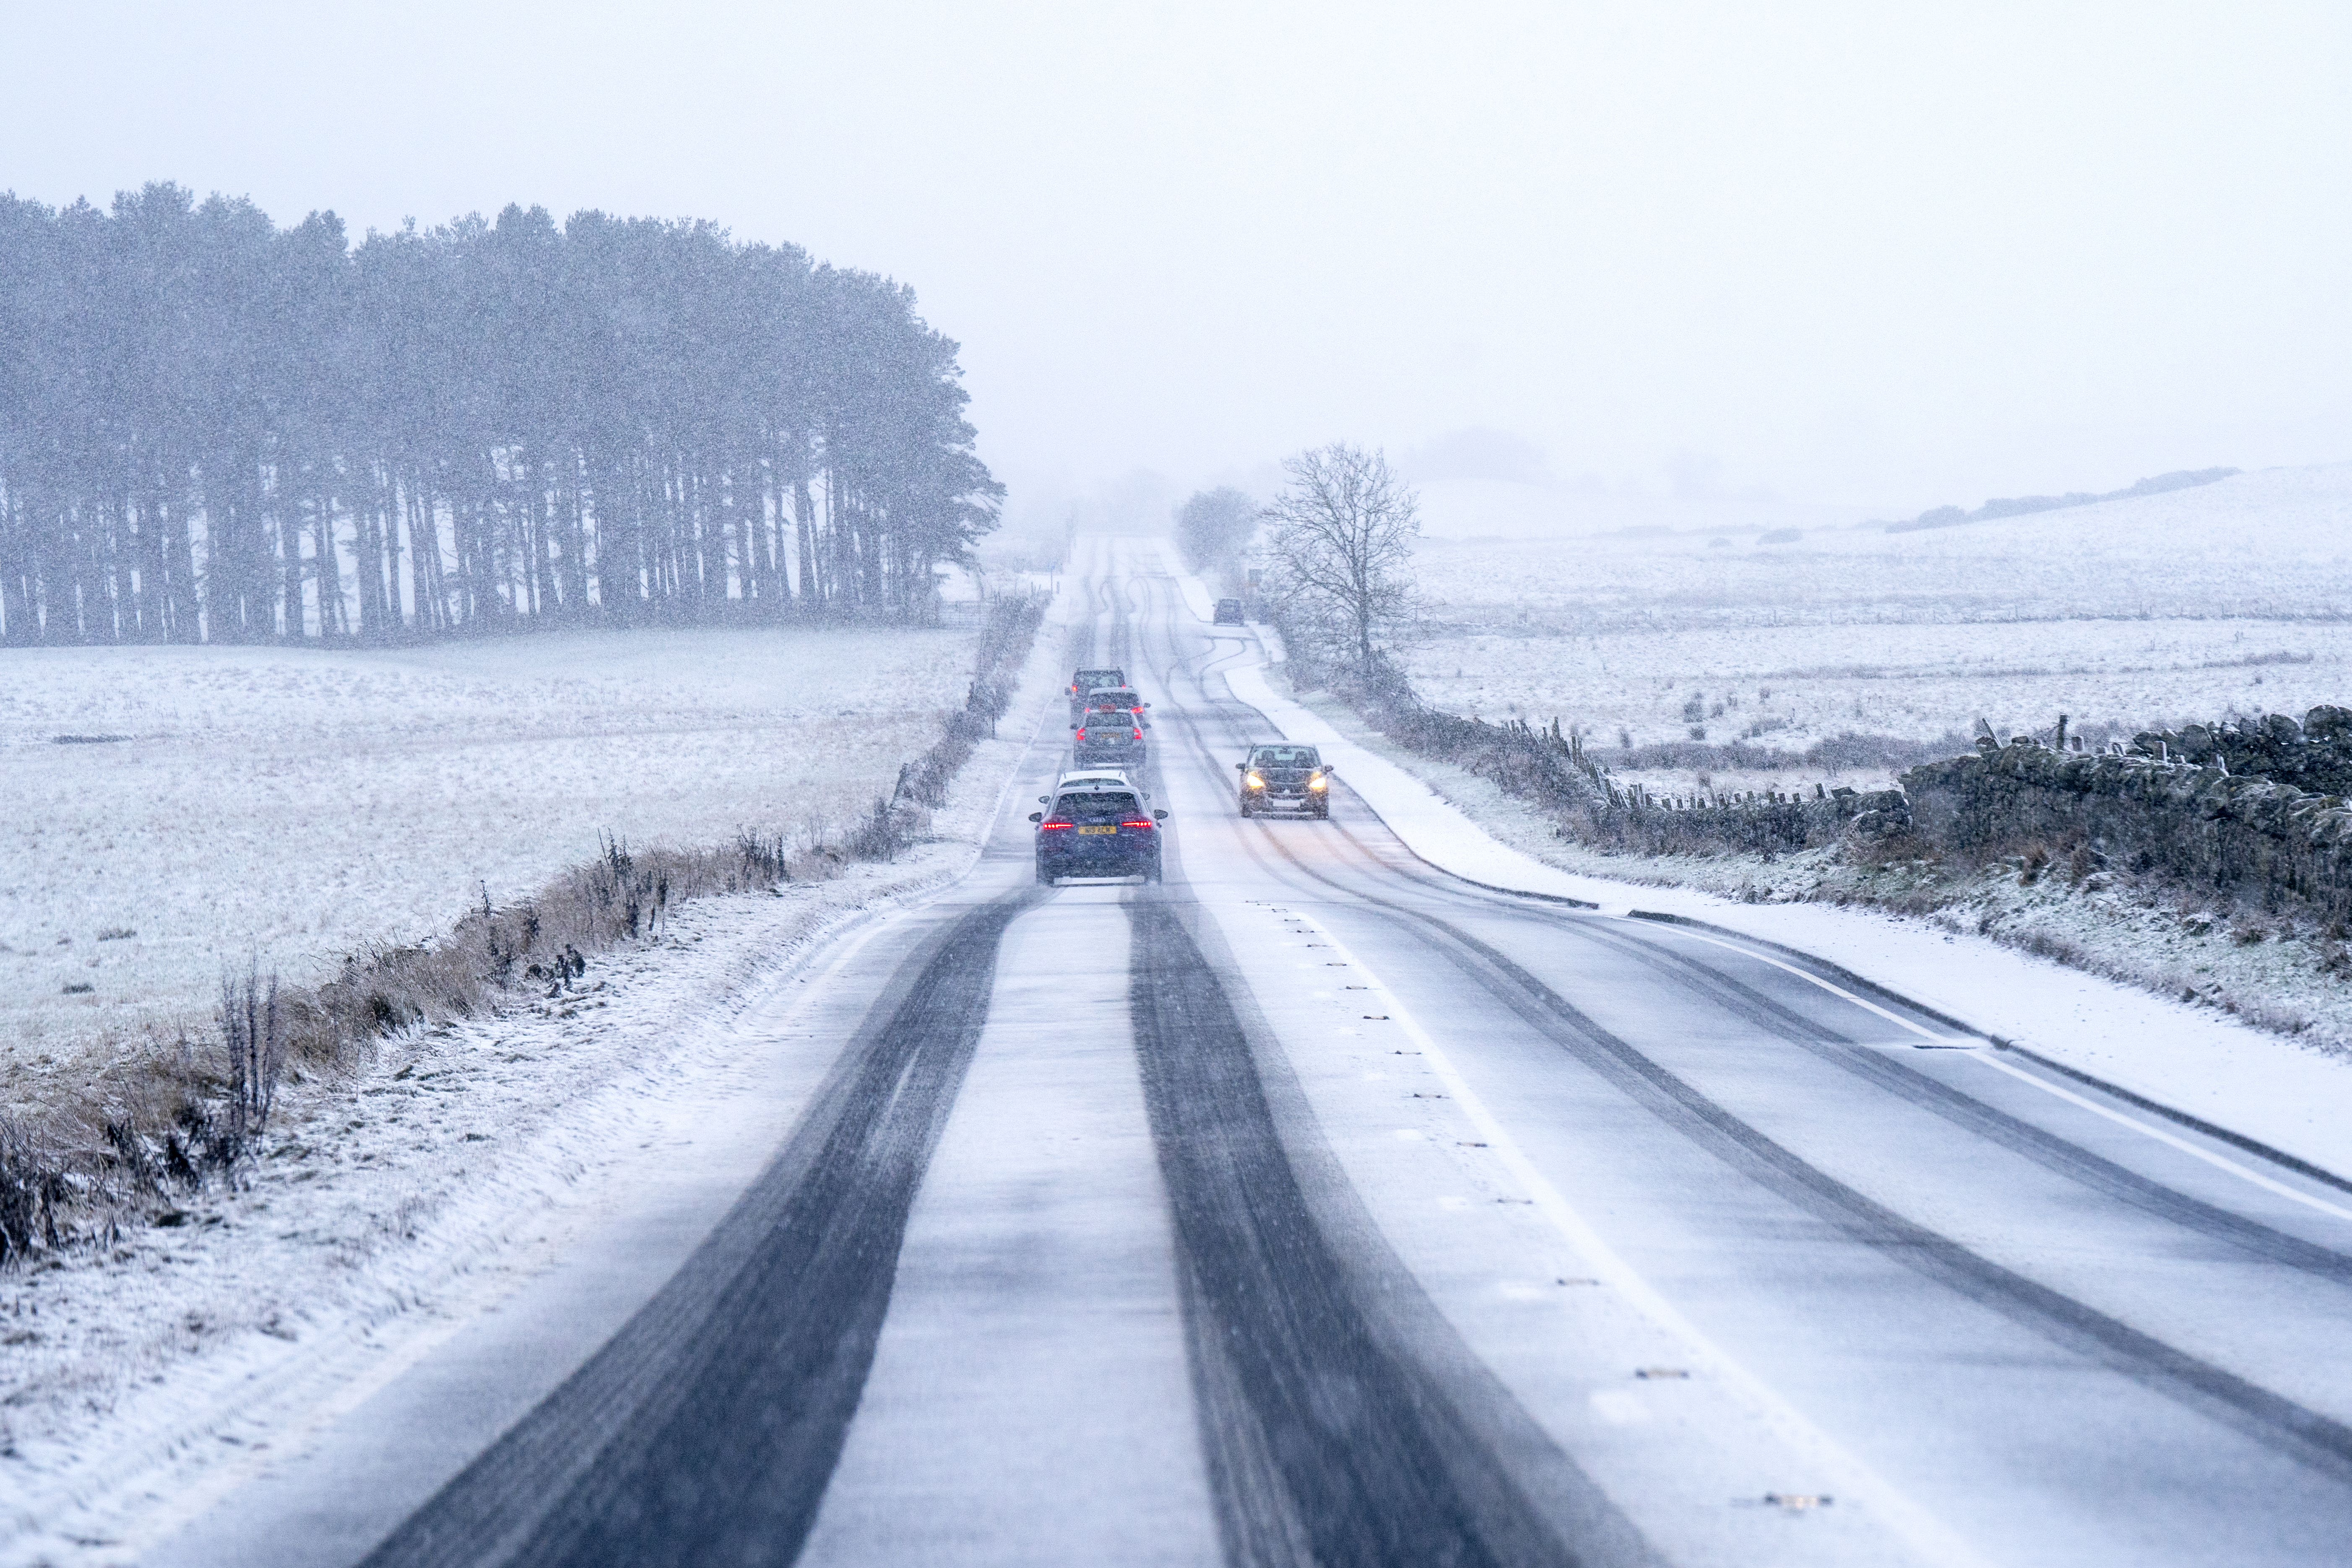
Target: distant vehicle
[(1098, 830), (1083, 684), (1229, 612), (1288, 779), (1112, 736)]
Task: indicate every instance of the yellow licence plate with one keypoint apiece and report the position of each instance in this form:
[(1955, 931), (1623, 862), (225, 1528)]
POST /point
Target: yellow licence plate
[(1098, 830)]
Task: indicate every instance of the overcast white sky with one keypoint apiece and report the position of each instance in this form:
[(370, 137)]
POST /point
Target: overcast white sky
[(1872, 255)]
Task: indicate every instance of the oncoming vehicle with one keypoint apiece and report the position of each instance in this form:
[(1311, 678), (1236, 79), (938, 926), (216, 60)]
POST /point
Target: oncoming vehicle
[(1098, 830), (1286, 779), (1229, 612), (1109, 735), (1084, 684)]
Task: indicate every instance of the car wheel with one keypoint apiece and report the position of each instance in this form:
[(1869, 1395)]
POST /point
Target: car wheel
[(1153, 875), (1043, 876)]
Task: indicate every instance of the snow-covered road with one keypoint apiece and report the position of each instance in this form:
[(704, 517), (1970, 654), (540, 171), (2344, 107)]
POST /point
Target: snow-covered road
[(1316, 1207)]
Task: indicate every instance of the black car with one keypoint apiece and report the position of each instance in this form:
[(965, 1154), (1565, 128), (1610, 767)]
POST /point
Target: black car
[(1229, 612), (1084, 683), (1108, 737), (1098, 830), (1286, 779)]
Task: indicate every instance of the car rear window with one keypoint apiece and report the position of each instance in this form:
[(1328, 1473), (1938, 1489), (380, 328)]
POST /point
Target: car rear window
[(1090, 679), (1110, 718), (1285, 757), (1110, 806)]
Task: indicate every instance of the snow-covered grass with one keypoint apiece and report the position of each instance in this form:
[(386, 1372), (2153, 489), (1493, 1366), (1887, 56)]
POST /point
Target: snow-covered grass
[(2235, 597), (391, 1206), (291, 807)]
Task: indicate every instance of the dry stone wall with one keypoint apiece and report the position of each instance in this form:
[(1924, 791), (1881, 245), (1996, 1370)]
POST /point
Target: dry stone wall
[(2257, 810), (2224, 808)]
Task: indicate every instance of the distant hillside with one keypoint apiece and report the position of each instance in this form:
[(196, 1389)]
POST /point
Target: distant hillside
[(2019, 506)]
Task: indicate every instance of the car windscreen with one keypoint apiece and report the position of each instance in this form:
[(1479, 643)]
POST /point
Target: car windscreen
[(1285, 757), (1110, 806)]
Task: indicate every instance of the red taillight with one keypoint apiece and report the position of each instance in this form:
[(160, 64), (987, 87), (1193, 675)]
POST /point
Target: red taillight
[(1053, 825), (1145, 825), (1138, 735)]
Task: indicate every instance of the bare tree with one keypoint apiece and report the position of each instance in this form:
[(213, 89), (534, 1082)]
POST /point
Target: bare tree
[(1341, 544)]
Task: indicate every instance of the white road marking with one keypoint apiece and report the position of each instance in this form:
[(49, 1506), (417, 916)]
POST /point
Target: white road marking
[(1919, 1528), (2242, 1173), (2219, 1161)]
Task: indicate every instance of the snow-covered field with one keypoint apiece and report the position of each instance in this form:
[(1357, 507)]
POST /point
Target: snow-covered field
[(144, 1380), (2235, 597), (291, 807)]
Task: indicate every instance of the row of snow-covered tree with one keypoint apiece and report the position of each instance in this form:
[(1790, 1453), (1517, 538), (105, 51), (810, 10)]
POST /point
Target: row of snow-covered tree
[(216, 430)]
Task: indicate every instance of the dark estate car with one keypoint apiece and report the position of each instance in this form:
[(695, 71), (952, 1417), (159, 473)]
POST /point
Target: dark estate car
[(1084, 683), (1229, 612), (1285, 778), (1112, 736), (1119, 697), (1098, 830)]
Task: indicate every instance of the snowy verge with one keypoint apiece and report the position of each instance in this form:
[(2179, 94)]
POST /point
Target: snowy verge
[(2193, 1060), (146, 1383)]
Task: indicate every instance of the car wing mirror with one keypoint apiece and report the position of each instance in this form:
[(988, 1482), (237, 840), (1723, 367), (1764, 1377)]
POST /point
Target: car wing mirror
[(1159, 817), (1037, 816), (1044, 800)]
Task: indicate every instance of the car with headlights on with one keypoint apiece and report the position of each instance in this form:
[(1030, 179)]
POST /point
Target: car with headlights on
[(1286, 779), (1098, 830)]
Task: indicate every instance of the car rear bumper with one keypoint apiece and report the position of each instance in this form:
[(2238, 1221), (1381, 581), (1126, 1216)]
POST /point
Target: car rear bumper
[(1132, 863)]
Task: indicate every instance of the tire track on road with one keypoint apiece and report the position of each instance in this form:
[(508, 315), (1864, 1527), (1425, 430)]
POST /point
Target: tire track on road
[(1343, 1420), (706, 1431), (1328, 1441)]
